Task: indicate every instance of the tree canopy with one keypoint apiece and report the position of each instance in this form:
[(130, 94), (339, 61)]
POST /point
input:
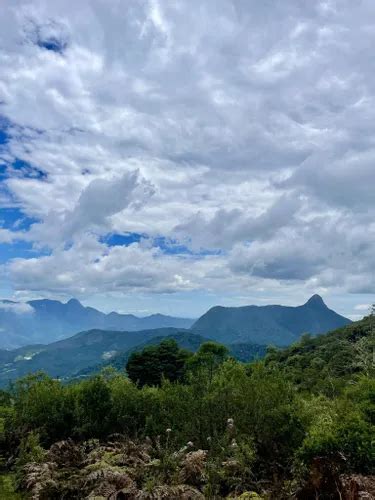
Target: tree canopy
[(153, 363), (299, 424)]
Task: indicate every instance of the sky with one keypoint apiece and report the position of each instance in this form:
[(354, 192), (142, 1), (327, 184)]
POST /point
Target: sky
[(168, 156)]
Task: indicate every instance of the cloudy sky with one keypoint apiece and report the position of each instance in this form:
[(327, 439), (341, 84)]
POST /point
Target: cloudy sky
[(170, 155)]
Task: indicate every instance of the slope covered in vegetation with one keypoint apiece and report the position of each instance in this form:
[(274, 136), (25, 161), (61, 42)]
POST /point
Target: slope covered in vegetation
[(186, 340), (67, 357), (273, 324), (286, 427), (327, 363)]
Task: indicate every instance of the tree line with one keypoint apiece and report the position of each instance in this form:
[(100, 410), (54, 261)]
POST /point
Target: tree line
[(271, 418)]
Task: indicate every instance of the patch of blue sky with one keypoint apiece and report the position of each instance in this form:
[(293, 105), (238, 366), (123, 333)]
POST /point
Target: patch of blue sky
[(174, 247), (167, 245), (3, 141), (15, 220), (22, 167), (28, 171), (53, 44), (3, 136), (3, 171), (4, 125), (126, 239), (50, 36), (19, 249)]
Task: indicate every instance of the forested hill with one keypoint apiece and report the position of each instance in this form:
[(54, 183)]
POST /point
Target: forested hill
[(298, 425), (67, 357), (185, 340), (245, 330), (328, 361), (88, 352), (274, 324)]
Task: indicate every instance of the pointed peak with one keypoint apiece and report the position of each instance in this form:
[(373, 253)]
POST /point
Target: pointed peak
[(315, 300), (74, 302)]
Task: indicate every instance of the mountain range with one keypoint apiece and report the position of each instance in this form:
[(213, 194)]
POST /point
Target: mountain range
[(68, 356), (88, 352), (45, 321), (245, 330)]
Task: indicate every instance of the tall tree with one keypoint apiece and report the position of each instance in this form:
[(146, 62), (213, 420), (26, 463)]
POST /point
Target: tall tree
[(149, 366)]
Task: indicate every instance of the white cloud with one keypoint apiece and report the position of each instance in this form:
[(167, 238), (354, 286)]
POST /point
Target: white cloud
[(89, 267), (97, 203), (238, 126), (6, 236), (16, 307), (362, 307)]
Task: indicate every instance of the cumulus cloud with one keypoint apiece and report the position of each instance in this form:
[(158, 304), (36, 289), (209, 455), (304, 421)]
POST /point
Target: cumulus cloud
[(6, 236), (16, 307), (363, 307), (226, 227), (239, 127), (90, 267), (98, 201)]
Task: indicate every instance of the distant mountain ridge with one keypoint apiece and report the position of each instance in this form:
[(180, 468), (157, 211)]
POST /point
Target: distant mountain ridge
[(245, 330), (185, 340), (44, 321), (273, 324), (88, 352), (66, 357)]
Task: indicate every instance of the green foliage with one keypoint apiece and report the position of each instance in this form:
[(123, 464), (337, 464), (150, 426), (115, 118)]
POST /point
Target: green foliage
[(265, 423), (341, 430), (8, 488), (5, 398), (93, 406), (5, 411), (30, 450), (39, 405), (208, 358), (149, 366), (325, 364), (244, 352)]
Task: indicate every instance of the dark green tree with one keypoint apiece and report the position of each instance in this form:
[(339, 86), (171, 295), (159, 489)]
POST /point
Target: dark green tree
[(208, 358), (153, 363), (93, 408)]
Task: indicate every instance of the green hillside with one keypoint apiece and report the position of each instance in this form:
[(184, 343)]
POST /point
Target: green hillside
[(328, 362), (186, 340), (245, 330), (65, 358), (299, 424)]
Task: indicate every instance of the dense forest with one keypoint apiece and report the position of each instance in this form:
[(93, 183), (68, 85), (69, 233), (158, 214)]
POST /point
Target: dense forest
[(299, 423)]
